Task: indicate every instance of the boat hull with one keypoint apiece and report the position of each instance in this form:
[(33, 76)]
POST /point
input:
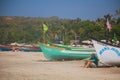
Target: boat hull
[(30, 49), (52, 53), (107, 54), (5, 48)]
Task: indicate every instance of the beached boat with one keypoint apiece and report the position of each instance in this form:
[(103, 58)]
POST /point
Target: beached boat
[(5, 48), (20, 48), (107, 54), (30, 49), (74, 48), (57, 53)]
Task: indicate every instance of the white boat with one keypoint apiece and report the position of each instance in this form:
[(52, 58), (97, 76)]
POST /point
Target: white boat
[(107, 54)]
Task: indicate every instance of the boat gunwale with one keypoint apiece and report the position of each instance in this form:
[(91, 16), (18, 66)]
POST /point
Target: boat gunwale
[(70, 51), (106, 43)]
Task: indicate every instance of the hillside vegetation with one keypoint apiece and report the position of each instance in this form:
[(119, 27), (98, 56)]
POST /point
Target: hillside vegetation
[(30, 29)]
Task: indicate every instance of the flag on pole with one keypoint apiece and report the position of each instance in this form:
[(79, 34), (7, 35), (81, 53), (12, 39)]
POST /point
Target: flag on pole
[(115, 38), (45, 28), (108, 25)]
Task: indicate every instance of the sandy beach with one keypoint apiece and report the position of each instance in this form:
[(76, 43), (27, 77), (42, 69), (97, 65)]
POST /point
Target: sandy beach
[(34, 66)]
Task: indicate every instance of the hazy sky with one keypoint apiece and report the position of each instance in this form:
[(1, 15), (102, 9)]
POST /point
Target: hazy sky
[(84, 9)]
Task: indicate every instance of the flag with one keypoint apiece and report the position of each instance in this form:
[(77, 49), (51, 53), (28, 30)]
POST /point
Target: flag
[(108, 25), (45, 28), (115, 38)]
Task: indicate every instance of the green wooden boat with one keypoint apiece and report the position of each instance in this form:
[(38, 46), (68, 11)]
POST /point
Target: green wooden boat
[(73, 48), (57, 53)]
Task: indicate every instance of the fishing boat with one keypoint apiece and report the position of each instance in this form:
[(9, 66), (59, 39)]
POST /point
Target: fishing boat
[(107, 53), (30, 49), (20, 48), (73, 48), (57, 53), (5, 48)]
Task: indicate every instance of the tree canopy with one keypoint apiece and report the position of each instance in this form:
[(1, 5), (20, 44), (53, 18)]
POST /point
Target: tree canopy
[(30, 29)]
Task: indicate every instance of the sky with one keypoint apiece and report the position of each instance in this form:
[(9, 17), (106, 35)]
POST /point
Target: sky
[(68, 9)]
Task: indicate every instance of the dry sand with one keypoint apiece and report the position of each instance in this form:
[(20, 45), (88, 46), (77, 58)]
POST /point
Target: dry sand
[(34, 66)]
